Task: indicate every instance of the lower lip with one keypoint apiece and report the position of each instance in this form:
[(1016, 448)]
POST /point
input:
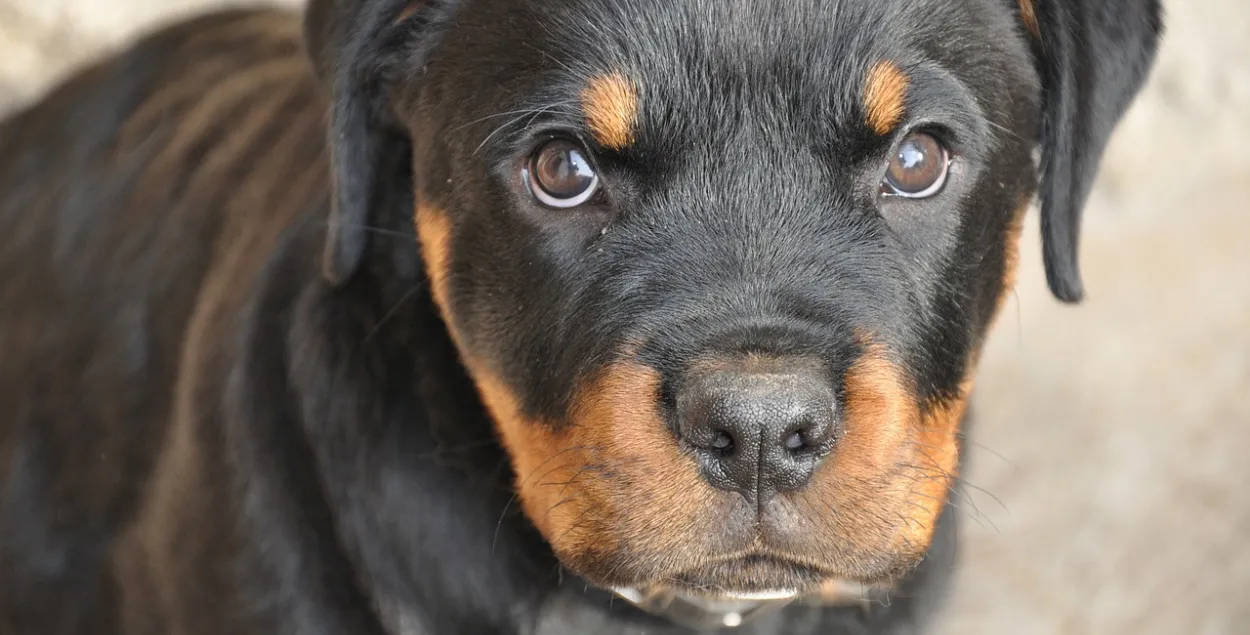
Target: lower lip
[(727, 579)]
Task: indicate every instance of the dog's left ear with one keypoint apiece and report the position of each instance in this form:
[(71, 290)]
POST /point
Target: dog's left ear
[(358, 47), (1093, 57)]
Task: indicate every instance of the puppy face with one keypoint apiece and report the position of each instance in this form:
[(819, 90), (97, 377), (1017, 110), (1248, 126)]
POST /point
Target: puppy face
[(720, 270)]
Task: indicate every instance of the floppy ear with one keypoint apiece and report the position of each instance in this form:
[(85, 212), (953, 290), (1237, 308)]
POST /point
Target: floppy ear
[(1092, 56), (357, 47)]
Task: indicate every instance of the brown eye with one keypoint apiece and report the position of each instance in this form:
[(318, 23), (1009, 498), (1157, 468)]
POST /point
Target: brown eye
[(918, 168), (561, 176)]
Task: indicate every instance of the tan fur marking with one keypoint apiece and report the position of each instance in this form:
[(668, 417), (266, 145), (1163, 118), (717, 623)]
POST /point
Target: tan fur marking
[(1011, 247), (885, 96), (434, 234), (612, 478), (611, 106), (1011, 259), (1029, 15), (936, 465), (879, 412), (888, 476), (1011, 252), (862, 481), (890, 431)]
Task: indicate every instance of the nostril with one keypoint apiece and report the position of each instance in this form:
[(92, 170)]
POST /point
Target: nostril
[(723, 443), (812, 433), (795, 441)]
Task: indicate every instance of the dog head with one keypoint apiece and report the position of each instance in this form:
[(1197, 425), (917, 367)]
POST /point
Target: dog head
[(721, 270)]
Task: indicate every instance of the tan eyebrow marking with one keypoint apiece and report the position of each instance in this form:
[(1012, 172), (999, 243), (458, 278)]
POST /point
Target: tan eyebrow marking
[(610, 103), (885, 96)]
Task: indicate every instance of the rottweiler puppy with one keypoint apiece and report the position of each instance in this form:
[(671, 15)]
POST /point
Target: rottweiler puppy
[(518, 316)]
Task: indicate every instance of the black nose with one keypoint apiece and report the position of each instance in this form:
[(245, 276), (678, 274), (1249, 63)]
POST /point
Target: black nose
[(758, 428)]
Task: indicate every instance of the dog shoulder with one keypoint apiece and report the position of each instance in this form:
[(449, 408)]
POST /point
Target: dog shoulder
[(178, 162)]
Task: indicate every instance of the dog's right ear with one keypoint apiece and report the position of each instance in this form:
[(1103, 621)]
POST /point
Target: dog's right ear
[(358, 49), (1093, 57)]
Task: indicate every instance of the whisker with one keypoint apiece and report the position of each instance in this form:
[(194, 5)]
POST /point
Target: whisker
[(1010, 132), (576, 522), (987, 493), (551, 458), (970, 441), (549, 56), (519, 111), (562, 501), (390, 233), (451, 449), (510, 122), (495, 539), (398, 303)]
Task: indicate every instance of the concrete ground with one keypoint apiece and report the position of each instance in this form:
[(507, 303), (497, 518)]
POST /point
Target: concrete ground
[(1112, 450)]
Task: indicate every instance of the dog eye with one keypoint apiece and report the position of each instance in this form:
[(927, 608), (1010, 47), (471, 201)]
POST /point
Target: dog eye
[(918, 168), (560, 175)]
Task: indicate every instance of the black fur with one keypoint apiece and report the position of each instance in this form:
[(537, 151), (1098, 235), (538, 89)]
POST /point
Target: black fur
[(1092, 56), (228, 403)]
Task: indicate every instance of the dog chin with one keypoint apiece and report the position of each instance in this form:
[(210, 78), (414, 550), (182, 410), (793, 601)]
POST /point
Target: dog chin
[(742, 578)]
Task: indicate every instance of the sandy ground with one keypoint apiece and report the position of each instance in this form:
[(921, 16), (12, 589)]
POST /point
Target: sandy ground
[(1112, 451)]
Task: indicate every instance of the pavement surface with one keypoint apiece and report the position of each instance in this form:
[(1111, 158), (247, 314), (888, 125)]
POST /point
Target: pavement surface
[(1111, 455)]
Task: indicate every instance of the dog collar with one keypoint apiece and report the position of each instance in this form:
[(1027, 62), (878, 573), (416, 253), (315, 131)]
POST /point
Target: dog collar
[(705, 613)]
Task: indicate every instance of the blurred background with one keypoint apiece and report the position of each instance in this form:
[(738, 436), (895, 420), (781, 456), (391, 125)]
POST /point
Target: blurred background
[(1110, 466)]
